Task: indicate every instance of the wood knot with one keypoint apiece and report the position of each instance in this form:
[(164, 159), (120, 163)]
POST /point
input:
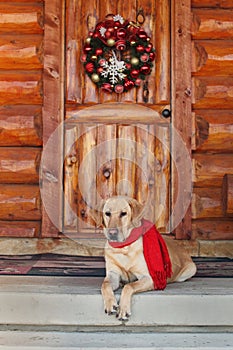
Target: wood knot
[(83, 213), (71, 160)]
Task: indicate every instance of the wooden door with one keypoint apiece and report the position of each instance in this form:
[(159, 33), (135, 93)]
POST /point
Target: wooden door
[(116, 144)]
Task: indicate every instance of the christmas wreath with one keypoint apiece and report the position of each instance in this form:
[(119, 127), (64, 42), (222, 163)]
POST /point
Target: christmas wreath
[(118, 55)]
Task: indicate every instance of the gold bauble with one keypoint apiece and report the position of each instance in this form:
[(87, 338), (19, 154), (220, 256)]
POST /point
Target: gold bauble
[(132, 43), (134, 61), (94, 58), (110, 42), (95, 78), (88, 40)]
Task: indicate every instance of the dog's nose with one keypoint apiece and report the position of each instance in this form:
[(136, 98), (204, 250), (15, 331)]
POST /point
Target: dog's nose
[(113, 234)]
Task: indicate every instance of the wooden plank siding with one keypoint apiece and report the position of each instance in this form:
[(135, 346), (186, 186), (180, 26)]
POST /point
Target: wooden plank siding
[(212, 69), (21, 99), (42, 83)]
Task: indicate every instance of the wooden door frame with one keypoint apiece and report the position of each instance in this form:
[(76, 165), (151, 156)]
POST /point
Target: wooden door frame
[(53, 114), (54, 93), (181, 106)]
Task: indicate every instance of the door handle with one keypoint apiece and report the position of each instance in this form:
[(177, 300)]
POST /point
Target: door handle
[(166, 113)]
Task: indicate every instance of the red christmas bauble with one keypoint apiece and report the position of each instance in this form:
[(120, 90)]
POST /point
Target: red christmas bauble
[(134, 73), (83, 58), (145, 69), (152, 56), (89, 67), (142, 34), (87, 48), (138, 82), (121, 45), (106, 87), (102, 62), (100, 70), (140, 48), (119, 88), (129, 84), (121, 33), (144, 57), (149, 48), (99, 51), (111, 29), (117, 24)]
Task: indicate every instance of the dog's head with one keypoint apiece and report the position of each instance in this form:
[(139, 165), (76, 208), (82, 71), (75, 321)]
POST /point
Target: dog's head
[(118, 215)]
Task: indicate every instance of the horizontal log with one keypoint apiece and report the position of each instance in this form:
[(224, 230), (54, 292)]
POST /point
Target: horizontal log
[(212, 229), (209, 169), (213, 57), (213, 131), (25, 1), (207, 203), (20, 228), (21, 18), (213, 92), (21, 88), (21, 52), (219, 248), (24, 246), (212, 24), (20, 126), (227, 194), (19, 165), (212, 3), (20, 202)]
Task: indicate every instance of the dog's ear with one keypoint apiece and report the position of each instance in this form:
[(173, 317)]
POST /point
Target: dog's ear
[(97, 214), (137, 210)]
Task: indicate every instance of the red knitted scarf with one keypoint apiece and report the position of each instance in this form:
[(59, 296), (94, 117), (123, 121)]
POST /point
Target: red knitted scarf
[(155, 252)]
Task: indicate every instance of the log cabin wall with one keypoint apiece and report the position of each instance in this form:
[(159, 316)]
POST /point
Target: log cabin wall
[(212, 71), (21, 136), (21, 99)]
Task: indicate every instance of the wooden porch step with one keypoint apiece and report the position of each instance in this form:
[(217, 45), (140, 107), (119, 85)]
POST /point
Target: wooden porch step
[(76, 301), (114, 341)]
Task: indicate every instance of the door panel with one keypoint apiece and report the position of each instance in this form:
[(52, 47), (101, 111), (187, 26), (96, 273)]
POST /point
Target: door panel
[(103, 160), (116, 147), (83, 15)]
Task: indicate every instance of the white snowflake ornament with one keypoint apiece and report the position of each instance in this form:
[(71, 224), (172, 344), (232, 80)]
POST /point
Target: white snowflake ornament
[(118, 18), (114, 69), (102, 31)]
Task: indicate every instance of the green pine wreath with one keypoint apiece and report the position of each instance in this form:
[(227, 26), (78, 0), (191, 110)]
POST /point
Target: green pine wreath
[(118, 55)]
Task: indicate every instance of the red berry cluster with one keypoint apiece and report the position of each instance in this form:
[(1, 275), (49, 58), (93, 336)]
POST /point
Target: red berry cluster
[(130, 44)]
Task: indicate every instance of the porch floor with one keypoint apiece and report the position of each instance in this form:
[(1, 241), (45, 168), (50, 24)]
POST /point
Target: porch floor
[(39, 312)]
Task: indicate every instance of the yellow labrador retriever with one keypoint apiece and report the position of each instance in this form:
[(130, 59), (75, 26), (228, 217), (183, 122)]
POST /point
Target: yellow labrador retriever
[(125, 262)]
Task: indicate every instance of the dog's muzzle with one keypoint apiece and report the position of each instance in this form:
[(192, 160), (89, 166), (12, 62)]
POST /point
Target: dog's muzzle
[(113, 234)]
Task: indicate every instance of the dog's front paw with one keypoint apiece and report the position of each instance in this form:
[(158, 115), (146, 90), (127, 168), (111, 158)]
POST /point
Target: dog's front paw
[(123, 313), (110, 306)]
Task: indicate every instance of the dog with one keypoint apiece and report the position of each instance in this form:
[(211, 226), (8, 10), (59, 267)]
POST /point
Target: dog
[(121, 216)]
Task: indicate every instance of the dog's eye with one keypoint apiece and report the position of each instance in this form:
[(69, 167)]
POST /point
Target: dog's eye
[(123, 213), (108, 213)]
